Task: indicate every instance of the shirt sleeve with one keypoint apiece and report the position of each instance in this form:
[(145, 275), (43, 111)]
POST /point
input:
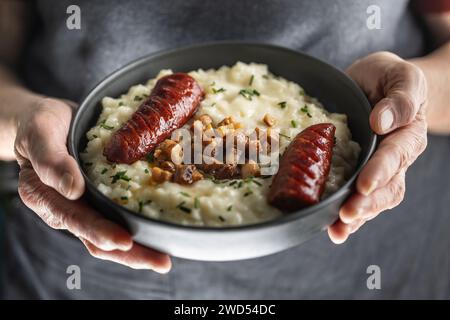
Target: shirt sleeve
[(432, 6)]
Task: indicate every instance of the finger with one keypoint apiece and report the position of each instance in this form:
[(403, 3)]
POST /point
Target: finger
[(359, 206), (338, 232), (356, 225), (395, 152), (74, 216), (139, 257), (43, 143), (404, 96)]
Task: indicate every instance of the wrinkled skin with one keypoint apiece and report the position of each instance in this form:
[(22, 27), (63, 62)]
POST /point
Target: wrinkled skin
[(397, 90), (50, 184)]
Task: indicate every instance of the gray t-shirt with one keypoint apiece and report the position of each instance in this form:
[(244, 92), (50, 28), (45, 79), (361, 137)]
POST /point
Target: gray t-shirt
[(410, 243)]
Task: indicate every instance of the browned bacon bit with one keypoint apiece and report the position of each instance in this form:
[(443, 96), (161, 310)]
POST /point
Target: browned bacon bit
[(304, 169), (172, 103), (250, 170), (186, 174), (220, 170), (160, 176)]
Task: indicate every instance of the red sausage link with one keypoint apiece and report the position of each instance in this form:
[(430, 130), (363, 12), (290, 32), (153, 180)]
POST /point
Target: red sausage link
[(173, 101), (304, 168)]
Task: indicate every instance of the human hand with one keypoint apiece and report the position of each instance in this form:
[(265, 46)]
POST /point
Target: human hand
[(50, 184), (398, 91)]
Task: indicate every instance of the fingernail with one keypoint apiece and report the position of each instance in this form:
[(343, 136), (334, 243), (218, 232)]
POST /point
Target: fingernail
[(372, 186), (349, 217), (123, 246), (386, 119), (65, 185)]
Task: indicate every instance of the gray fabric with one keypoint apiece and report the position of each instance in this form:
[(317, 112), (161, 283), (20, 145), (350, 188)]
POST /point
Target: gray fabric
[(410, 244)]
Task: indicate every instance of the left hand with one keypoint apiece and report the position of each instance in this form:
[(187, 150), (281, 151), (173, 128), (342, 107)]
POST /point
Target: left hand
[(398, 91)]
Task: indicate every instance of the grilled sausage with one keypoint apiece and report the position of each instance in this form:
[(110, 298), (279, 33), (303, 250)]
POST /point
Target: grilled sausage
[(173, 101), (304, 168)]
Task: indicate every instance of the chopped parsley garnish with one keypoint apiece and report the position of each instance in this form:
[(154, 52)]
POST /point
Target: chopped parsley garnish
[(95, 136), (240, 184), (196, 203), (301, 92), (213, 105), (306, 110), (121, 104), (222, 219), (215, 91), (257, 183), (285, 136), (248, 193), (104, 171), (249, 93), (232, 183), (282, 104), (146, 171), (138, 98), (213, 179), (123, 198), (121, 175), (251, 80), (293, 124), (150, 157), (141, 205), (266, 76), (105, 126), (185, 194), (252, 180), (229, 208), (183, 208)]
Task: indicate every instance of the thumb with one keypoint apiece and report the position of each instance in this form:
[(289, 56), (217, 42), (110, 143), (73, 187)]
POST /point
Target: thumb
[(43, 142), (404, 98), (395, 111)]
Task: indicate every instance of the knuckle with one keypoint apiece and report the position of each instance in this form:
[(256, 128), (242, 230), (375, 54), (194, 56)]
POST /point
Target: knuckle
[(423, 143), (406, 111), (50, 213), (384, 55), (399, 153), (34, 195), (397, 190), (418, 141), (93, 251)]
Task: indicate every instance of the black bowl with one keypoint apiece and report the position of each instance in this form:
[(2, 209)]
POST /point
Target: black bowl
[(332, 87)]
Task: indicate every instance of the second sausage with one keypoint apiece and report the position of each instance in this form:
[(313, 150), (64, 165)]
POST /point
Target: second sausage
[(304, 169)]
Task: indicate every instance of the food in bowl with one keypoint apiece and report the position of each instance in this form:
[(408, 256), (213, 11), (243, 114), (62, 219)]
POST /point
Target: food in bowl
[(147, 166)]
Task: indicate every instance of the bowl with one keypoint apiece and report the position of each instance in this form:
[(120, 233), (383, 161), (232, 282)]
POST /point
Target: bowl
[(333, 88)]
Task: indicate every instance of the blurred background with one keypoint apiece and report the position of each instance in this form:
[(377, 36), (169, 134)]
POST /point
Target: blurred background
[(8, 186)]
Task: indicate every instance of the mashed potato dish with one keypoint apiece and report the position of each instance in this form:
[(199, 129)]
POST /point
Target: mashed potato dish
[(245, 98)]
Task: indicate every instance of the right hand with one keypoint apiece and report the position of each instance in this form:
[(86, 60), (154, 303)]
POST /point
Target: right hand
[(50, 184)]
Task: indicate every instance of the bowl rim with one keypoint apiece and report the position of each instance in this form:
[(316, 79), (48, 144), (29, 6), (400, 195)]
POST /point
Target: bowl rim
[(284, 219)]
